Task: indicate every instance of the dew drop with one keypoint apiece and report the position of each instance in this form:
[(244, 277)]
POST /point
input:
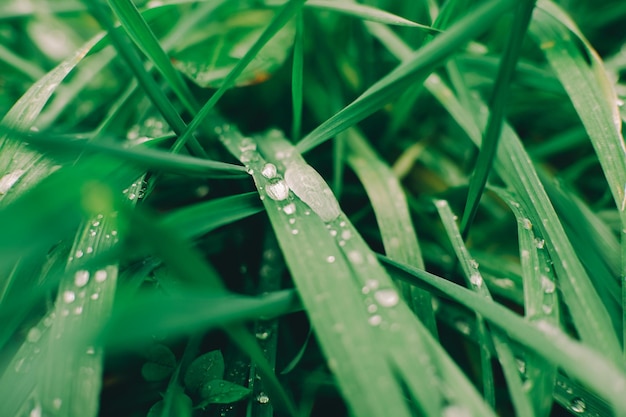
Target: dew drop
[(540, 243), (96, 223), (101, 275), (375, 320), (81, 278), (311, 188), (33, 335), (35, 412), (526, 224), (473, 263), (79, 254), (456, 410), (292, 220), (263, 335), (294, 231), (247, 145), (333, 232), (289, 208), (547, 285), (78, 310), (355, 257), (546, 308), (370, 285), (372, 308), (346, 235), (269, 170), (7, 181), (387, 297), (262, 398), (56, 403), (69, 296), (577, 405), (476, 279), (277, 190), (330, 259), (95, 296)]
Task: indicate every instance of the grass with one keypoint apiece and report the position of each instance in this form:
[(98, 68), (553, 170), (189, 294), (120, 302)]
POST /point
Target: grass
[(250, 208)]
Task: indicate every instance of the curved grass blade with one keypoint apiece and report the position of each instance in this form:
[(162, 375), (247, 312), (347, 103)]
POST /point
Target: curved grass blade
[(297, 72), (499, 97), (392, 214), (413, 70), (541, 302), (367, 13), (475, 281), (594, 99), (602, 375), (21, 167)]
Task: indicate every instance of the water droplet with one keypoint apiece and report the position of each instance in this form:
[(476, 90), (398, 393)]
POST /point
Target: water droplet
[(525, 254), (277, 190), (375, 320), (476, 279), (311, 188), (263, 335), (294, 231), (101, 275), (33, 335), (546, 308), (540, 243), (526, 224), (332, 232), (95, 296), (346, 235), (262, 398), (96, 223), (455, 410), (246, 145), (547, 285), (619, 102), (370, 285), (441, 203), (79, 253), (90, 350), (372, 308), (35, 412), (577, 405), (268, 170), (292, 220), (473, 263), (330, 259), (78, 310), (387, 297), (81, 278), (355, 257), (289, 208), (69, 296), (89, 249), (56, 403)]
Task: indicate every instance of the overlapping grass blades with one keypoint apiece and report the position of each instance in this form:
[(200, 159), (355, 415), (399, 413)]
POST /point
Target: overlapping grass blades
[(373, 344)]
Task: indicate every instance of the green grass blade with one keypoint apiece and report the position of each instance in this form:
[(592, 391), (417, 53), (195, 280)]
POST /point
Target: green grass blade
[(368, 13), (139, 31), (392, 214), (340, 283), (25, 167), (199, 219), (476, 282), (497, 106), (149, 85), (541, 302), (285, 13), (414, 70), (594, 99), (599, 373), (297, 73)]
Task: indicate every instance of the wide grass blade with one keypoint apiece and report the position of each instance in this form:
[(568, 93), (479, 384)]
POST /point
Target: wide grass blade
[(413, 70), (392, 214)]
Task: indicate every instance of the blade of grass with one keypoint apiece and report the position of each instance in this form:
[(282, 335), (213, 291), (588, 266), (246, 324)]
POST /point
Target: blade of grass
[(475, 281), (149, 85), (497, 105), (141, 34), (601, 374), (284, 14), (23, 166), (340, 283), (541, 302), (297, 73), (514, 166), (394, 221), (594, 99), (413, 70)]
